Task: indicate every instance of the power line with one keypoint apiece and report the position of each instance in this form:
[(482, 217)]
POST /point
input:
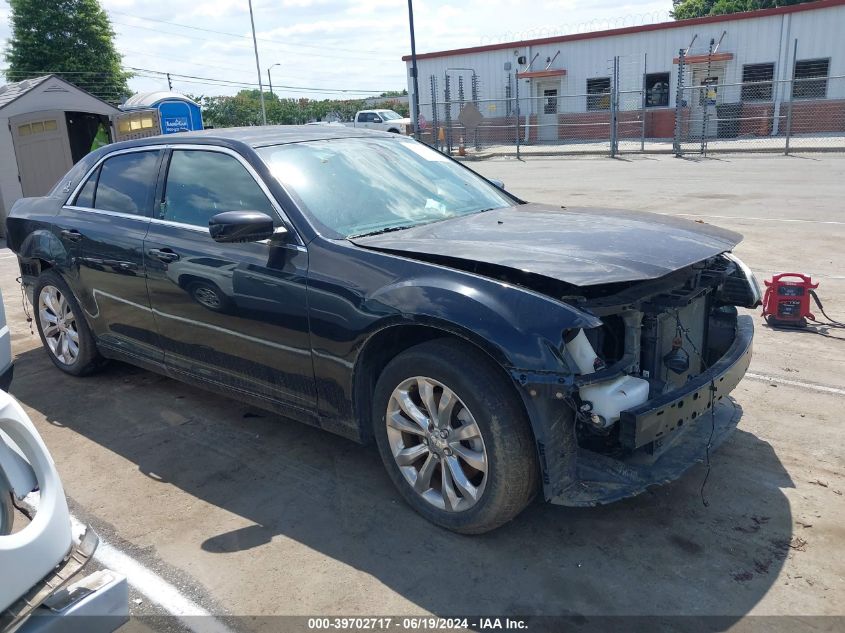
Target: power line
[(280, 47), (260, 39), (148, 73), (239, 83)]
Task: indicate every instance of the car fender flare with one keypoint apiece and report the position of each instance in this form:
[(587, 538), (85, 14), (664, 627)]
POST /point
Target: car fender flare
[(43, 244)]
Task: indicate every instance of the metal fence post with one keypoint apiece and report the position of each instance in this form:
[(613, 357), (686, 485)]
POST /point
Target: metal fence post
[(516, 83), (447, 97), (434, 117), (679, 100), (614, 105), (705, 116), (474, 89), (791, 92), (643, 102)]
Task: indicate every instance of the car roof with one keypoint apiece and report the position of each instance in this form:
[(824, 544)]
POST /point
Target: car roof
[(257, 136)]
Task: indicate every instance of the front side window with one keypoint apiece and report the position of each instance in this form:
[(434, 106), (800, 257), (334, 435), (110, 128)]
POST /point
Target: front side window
[(358, 186), (126, 183), (200, 184), (598, 93)]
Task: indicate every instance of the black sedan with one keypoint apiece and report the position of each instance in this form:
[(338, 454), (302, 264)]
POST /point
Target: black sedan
[(369, 285)]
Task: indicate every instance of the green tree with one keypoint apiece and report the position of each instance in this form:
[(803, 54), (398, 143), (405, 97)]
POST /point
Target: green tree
[(685, 9), (70, 38), (245, 109)]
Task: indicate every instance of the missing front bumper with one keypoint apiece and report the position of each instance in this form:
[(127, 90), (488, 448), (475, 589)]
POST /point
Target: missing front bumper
[(665, 436)]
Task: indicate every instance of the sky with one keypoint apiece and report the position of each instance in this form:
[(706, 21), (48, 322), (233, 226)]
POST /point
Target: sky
[(328, 48)]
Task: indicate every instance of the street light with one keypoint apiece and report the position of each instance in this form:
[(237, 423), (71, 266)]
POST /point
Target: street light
[(257, 66), (270, 79)]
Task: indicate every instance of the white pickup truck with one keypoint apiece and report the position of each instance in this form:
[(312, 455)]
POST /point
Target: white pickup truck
[(384, 120)]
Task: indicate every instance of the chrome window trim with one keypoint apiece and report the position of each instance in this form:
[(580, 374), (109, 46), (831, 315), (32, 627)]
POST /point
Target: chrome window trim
[(117, 214), (84, 179), (300, 244)]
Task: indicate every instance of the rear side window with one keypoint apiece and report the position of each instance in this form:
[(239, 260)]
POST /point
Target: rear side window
[(200, 184), (86, 194), (126, 183)]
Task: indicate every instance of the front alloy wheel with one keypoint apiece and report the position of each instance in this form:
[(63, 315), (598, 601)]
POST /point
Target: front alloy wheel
[(58, 325), (436, 444)]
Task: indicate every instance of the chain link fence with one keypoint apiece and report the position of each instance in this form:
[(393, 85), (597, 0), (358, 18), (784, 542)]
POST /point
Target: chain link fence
[(700, 114)]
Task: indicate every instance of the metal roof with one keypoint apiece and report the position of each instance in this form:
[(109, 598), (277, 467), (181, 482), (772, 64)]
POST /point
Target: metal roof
[(12, 91), (149, 99), (628, 30)]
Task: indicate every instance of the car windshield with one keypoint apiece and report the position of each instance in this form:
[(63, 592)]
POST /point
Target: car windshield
[(389, 115), (360, 186)]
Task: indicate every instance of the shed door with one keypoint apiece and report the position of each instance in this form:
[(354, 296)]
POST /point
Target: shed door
[(42, 149)]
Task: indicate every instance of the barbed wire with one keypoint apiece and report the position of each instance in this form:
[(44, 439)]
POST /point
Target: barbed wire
[(97, 79)]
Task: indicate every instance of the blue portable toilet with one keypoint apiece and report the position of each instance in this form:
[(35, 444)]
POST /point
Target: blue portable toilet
[(177, 113)]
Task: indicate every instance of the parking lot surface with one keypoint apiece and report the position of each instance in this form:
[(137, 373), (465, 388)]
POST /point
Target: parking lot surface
[(245, 513)]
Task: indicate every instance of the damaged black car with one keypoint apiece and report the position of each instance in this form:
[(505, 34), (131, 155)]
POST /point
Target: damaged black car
[(369, 285)]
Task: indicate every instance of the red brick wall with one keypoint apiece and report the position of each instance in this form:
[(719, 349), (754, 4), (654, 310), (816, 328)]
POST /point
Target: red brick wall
[(659, 123), (817, 116)]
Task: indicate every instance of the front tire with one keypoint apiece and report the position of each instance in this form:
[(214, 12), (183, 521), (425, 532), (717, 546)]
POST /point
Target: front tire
[(62, 327), (454, 437)]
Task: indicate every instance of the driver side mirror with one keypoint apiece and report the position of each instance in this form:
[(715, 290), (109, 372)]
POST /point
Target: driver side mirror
[(377, 119), (232, 227)]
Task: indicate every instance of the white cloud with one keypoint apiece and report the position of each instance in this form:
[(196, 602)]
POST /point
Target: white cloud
[(325, 43)]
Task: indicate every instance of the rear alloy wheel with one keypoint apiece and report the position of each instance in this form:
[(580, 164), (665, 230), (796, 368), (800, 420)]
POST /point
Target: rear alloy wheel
[(58, 325), (436, 444), (62, 326), (454, 436)]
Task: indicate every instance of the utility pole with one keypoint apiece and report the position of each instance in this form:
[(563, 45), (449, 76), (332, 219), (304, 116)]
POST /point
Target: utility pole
[(415, 103), (270, 79), (169, 83), (257, 65)]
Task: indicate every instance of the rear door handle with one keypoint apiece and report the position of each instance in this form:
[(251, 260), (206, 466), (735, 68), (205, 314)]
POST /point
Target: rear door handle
[(72, 235), (163, 255)]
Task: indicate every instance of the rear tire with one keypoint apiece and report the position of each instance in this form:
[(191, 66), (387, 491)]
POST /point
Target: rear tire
[(479, 433), (62, 326)]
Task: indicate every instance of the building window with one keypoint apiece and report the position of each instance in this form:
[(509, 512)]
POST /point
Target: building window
[(598, 93), (508, 98), (550, 101), (757, 82), (657, 90), (810, 79)]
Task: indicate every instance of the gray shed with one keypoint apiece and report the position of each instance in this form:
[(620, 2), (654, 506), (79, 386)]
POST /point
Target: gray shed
[(46, 125)]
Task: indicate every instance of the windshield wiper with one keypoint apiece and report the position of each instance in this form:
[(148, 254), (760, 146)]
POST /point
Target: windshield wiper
[(389, 229)]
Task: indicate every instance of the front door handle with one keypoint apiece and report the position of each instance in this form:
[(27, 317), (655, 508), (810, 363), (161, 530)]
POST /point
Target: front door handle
[(163, 255), (72, 235)]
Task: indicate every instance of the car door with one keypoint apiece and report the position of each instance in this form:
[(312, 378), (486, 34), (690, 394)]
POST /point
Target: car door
[(366, 120), (233, 314), (103, 225)]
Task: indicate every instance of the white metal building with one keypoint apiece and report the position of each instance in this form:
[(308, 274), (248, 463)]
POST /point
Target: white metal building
[(46, 125), (556, 76)]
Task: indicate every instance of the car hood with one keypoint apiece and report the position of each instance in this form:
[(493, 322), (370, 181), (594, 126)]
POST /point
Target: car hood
[(579, 246)]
